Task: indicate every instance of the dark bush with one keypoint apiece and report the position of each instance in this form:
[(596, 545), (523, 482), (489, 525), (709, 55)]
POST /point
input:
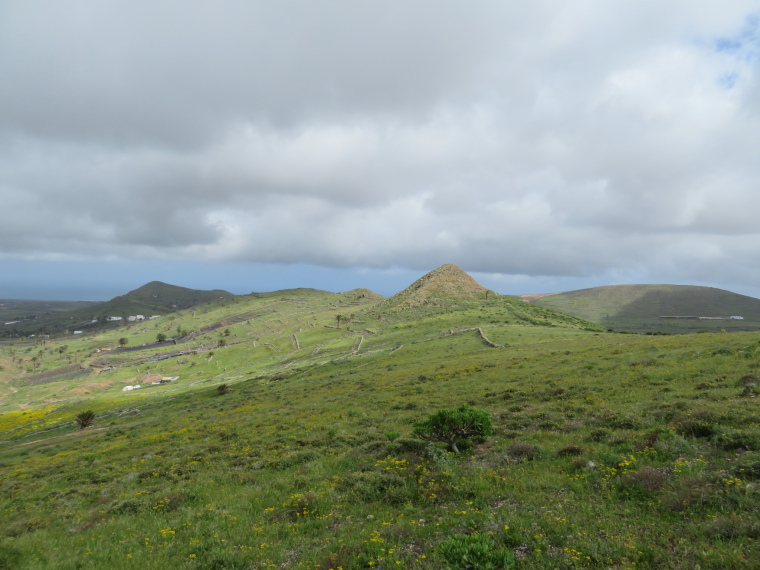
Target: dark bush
[(748, 379), (695, 428), (570, 451), (524, 451), (647, 479), (598, 435)]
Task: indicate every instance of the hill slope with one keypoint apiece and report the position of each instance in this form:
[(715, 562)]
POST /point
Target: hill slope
[(642, 308)]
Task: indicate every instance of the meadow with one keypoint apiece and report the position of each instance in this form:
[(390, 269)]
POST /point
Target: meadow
[(286, 442)]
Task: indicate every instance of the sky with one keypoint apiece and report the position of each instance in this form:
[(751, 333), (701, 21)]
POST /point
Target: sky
[(251, 145)]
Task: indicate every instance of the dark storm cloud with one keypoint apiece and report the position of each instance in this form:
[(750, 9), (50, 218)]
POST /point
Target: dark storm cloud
[(556, 138)]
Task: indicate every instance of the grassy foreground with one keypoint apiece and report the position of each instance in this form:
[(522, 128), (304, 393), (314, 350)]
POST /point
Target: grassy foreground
[(609, 451)]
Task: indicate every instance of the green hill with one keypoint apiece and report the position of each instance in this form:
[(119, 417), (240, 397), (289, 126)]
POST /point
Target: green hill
[(278, 436), (654, 308), (451, 297), (154, 298), (158, 297)]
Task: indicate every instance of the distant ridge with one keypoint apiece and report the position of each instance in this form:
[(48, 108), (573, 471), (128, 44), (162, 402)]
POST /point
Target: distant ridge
[(154, 298), (648, 308), (168, 297)]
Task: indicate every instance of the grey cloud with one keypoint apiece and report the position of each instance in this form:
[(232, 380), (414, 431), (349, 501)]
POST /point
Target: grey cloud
[(545, 139)]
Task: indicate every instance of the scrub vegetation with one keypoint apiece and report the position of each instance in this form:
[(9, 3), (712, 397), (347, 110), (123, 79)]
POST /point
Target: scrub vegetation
[(295, 445)]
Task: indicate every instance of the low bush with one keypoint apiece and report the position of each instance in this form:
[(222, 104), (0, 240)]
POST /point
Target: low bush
[(646, 479), (524, 451), (730, 440), (570, 451), (475, 552), (695, 428)]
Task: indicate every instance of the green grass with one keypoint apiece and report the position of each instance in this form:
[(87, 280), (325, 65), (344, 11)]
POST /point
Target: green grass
[(608, 450)]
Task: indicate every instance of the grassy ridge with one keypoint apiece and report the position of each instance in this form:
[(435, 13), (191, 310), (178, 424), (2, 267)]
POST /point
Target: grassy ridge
[(638, 308)]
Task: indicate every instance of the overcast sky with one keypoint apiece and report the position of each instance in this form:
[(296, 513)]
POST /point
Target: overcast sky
[(251, 146)]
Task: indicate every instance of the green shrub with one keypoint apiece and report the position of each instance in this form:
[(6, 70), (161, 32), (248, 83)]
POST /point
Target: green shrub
[(475, 552), (748, 467), (423, 449), (454, 426), (392, 435), (735, 439), (369, 486)]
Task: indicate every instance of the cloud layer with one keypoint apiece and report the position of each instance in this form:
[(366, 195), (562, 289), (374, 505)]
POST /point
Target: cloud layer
[(542, 139)]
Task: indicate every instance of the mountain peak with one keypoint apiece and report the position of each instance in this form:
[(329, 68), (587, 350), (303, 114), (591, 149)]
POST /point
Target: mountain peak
[(440, 287)]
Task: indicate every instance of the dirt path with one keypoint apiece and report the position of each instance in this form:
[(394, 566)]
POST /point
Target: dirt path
[(81, 432)]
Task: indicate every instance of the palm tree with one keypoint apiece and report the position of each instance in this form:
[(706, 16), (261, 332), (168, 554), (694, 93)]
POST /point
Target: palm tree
[(85, 419)]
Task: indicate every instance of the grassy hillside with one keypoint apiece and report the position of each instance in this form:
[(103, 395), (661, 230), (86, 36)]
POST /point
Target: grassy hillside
[(608, 450), (639, 308)]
